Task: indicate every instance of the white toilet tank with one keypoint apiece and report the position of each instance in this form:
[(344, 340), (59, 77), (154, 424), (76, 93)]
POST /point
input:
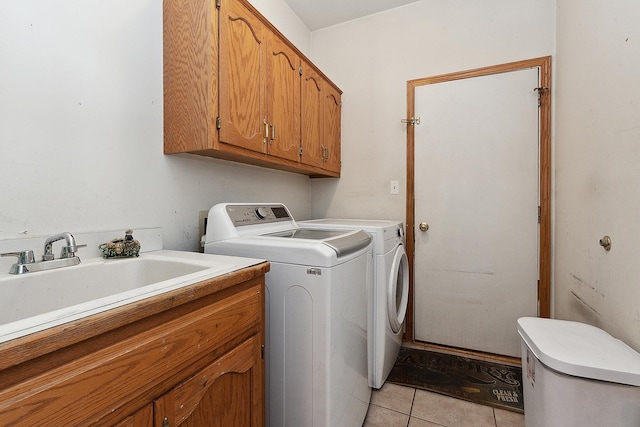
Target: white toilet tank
[(575, 374)]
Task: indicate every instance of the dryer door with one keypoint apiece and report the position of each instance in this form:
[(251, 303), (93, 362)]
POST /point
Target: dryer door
[(398, 291)]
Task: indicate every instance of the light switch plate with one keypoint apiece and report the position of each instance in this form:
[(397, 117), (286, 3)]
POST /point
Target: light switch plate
[(394, 187)]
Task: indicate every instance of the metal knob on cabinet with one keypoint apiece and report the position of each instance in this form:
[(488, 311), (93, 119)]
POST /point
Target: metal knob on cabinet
[(423, 226)]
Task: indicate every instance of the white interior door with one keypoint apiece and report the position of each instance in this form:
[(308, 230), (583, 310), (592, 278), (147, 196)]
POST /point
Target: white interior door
[(477, 187)]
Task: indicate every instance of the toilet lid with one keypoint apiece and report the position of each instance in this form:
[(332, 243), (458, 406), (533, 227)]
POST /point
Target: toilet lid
[(580, 350)]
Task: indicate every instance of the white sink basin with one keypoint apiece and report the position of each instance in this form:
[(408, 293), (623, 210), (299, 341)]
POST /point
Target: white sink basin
[(33, 302)]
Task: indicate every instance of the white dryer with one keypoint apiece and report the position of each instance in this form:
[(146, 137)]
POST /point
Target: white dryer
[(316, 354), (389, 290)]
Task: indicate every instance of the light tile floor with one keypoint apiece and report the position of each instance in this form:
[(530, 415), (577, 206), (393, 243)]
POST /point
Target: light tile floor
[(398, 406)]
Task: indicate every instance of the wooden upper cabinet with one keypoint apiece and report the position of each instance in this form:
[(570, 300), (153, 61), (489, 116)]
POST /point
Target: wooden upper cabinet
[(190, 38), (233, 90), (242, 77), (312, 127), (332, 107), (283, 99), (259, 85), (321, 115)]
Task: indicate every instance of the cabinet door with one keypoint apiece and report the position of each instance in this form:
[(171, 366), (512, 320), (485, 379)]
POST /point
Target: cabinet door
[(332, 121), (228, 392), (142, 418), (311, 117), (283, 99), (242, 77)]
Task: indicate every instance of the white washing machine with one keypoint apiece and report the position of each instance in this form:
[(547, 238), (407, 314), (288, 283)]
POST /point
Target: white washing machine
[(389, 290), (316, 355)]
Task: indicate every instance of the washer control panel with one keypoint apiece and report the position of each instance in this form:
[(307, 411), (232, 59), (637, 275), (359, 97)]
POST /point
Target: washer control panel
[(242, 215)]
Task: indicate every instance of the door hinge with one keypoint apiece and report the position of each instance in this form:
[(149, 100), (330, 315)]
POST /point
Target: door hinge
[(411, 121), (218, 4), (540, 91), (218, 123), (262, 350), (539, 214), (300, 70), (300, 152)]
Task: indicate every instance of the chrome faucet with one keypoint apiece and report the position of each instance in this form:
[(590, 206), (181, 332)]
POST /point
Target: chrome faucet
[(68, 251), (26, 260)]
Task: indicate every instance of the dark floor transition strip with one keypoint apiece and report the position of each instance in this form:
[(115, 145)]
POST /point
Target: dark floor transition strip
[(478, 381)]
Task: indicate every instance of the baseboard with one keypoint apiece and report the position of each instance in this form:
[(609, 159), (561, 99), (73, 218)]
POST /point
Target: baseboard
[(472, 354)]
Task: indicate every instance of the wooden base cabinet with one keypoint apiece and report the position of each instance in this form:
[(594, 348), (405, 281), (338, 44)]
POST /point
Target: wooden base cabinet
[(196, 359), (232, 90)]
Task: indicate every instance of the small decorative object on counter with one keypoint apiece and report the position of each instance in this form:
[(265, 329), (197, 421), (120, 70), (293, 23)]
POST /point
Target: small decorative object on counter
[(121, 248)]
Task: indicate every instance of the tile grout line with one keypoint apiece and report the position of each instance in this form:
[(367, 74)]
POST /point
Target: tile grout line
[(413, 399)]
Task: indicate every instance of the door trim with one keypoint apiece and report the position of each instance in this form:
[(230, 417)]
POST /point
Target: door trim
[(544, 282)]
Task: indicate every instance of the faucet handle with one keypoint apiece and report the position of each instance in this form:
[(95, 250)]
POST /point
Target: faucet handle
[(24, 257), (70, 251)]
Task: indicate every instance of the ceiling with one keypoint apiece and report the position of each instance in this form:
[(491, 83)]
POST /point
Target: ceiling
[(317, 14)]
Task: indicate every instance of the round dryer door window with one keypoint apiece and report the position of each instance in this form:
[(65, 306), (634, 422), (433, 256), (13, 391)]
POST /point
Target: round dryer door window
[(398, 292)]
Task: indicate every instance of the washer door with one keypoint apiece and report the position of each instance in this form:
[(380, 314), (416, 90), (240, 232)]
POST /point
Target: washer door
[(398, 290)]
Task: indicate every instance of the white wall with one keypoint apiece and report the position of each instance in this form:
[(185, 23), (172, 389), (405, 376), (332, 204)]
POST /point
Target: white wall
[(81, 126), (598, 165), (372, 58), (596, 121)]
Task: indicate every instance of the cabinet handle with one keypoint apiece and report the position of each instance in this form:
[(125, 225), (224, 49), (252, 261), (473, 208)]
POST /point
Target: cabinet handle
[(165, 422), (266, 130), (273, 133)]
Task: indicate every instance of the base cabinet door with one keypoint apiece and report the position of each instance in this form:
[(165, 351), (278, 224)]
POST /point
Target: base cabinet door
[(142, 418), (228, 392)]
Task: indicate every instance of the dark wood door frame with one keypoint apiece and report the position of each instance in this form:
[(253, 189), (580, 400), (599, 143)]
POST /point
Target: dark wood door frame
[(544, 91)]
